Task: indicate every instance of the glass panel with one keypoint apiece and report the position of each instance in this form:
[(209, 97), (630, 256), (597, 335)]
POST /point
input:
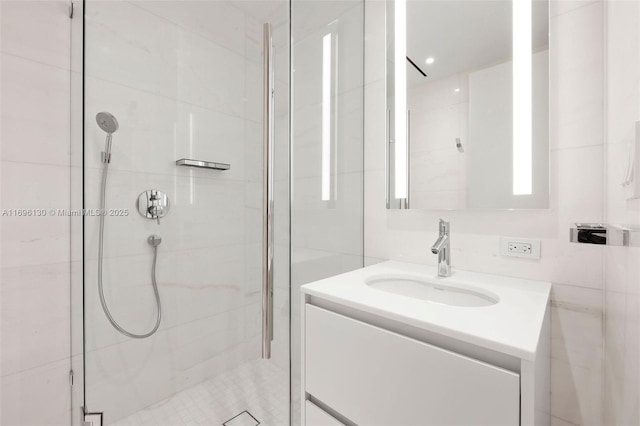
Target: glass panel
[(327, 151), (183, 80), (622, 206)]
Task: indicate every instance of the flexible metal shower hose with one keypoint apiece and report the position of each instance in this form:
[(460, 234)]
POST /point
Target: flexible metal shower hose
[(105, 308)]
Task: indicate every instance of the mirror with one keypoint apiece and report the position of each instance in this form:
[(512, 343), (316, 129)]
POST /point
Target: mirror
[(469, 82)]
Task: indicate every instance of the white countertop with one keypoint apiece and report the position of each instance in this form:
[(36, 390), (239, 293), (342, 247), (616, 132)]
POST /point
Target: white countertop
[(511, 326)]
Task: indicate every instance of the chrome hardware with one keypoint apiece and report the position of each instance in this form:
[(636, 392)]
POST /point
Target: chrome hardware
[(588, 233), (153, 204), (106, 154), (602, 234), (442, 247), (202, 164), (267, 225), (154, 240)]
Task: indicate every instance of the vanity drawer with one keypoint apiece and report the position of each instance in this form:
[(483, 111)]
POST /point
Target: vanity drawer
[(372, 376), (315, 416)]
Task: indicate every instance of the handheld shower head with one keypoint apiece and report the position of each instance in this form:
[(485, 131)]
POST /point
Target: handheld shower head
[(107, 122)]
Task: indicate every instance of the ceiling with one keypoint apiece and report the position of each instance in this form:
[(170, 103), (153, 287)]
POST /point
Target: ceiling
[(463, 35)]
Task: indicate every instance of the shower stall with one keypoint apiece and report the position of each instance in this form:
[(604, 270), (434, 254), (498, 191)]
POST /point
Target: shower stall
[(220, 167)]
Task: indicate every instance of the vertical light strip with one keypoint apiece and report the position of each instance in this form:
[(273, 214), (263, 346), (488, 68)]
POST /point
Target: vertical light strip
[(326, 117), (400, 107), (522, 97)]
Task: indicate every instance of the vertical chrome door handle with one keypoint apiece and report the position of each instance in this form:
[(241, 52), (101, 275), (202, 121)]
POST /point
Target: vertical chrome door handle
[(267, 228)]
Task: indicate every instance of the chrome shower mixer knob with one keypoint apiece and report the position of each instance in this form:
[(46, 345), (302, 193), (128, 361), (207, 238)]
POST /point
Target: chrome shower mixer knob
[(153, 204)]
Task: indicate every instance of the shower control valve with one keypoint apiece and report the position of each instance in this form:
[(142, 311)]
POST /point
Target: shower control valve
[(153, 204)]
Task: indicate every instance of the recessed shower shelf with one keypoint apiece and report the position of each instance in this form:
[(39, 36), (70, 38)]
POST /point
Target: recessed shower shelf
[(202, 164)]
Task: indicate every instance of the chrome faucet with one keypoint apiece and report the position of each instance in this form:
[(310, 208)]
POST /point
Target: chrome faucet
[(442, 248)]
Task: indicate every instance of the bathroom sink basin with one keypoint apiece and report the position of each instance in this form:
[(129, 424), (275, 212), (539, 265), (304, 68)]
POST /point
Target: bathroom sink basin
[(433, 291)]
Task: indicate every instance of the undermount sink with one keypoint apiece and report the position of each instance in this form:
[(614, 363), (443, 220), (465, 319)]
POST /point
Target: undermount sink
[(446, 293)]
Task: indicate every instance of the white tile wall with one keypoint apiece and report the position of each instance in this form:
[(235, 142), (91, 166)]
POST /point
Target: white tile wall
[(38, 396), (35, 132), (37, 30), (36, 110), (576, 195), (622, 266), (26, 293)]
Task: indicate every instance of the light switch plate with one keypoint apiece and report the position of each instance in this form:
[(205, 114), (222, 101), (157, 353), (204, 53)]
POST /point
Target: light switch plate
[(520, 247)]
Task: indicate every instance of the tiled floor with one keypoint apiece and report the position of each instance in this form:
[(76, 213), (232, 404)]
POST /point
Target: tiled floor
[(258, 387), (243, 419)]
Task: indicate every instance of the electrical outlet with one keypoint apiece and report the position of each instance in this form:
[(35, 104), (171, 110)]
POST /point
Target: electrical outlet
[(520, 247), (523, 248)]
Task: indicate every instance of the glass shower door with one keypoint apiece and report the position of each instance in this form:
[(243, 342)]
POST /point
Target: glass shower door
[(327, 171), (183, 80)]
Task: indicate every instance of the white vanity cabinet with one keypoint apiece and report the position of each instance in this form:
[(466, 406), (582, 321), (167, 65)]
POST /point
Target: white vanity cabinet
[(361, 366), (372, 376)]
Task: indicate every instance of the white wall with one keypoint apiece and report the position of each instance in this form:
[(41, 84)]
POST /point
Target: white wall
[(35, 133), (577, 184), (622, 282)]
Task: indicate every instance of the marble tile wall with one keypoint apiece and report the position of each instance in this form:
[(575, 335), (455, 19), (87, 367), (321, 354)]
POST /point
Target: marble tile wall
[(622, 266), (35, 131), (577, 187)]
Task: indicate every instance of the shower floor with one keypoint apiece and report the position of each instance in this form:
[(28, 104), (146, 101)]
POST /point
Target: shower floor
[(259, 387)]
